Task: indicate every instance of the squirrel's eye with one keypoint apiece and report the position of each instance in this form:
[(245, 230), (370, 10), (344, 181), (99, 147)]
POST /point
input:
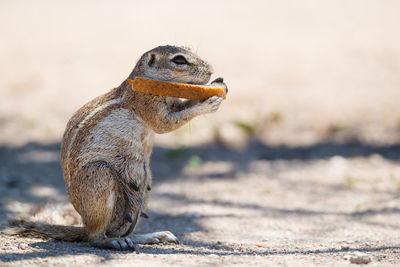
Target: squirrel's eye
[(179, 60), (151, 60)]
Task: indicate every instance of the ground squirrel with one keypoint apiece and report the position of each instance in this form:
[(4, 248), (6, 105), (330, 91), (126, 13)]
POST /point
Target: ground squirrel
[(106, 147)]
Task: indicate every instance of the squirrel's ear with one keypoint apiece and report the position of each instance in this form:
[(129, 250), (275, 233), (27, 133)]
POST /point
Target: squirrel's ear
[(186, 47), (152, 59)]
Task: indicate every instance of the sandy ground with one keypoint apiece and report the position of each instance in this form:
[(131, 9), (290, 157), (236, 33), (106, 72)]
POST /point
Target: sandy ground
[(299, 167)]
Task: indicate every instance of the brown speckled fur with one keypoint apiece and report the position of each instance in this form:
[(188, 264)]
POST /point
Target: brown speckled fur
[(107, 144)]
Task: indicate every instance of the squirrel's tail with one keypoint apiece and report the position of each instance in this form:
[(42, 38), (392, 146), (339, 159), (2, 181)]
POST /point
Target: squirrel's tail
[(42, 229)]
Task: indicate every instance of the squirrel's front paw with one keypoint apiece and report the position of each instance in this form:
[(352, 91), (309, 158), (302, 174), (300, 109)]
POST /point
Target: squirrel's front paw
[(211, 104)]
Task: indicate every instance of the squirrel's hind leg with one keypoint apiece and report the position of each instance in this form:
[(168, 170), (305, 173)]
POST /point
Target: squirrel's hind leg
[(94, 194)]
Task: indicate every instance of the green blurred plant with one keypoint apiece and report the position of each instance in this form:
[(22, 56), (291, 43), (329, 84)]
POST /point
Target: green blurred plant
[(337, 127), (267, 190), (276, 117), (175, 153), (194, 162), (350, 182), (245, 126)]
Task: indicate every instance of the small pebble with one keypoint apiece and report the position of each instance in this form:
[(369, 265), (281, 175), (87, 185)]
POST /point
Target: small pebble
[(22, 246), (358, 259)]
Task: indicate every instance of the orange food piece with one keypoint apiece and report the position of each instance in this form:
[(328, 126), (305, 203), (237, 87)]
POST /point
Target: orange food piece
[(179, 90)]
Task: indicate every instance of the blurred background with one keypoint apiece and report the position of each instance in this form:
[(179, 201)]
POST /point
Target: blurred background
[(312, 119), (309, 65)]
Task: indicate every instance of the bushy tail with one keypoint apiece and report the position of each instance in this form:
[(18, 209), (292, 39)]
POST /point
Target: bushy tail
[(46, 230)]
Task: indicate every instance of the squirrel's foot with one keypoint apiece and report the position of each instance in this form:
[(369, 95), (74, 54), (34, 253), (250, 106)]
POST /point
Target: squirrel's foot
[(123, 243), (210, 105), (154, 238)]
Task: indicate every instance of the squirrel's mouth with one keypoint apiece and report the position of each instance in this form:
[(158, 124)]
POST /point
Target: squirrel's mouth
[(196, 83), (217, 80)]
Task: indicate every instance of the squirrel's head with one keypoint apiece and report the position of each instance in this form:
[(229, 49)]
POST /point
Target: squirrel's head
[(172, 63)]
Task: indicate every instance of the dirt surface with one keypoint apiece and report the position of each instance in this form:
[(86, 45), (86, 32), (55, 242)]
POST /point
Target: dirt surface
[(299, 167)]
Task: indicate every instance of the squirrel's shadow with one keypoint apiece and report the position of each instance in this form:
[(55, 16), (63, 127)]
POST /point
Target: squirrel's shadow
[(34, 167), (31, 174)]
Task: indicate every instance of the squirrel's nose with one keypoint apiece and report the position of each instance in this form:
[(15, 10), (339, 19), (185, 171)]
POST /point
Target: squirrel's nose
[(218, 80)]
